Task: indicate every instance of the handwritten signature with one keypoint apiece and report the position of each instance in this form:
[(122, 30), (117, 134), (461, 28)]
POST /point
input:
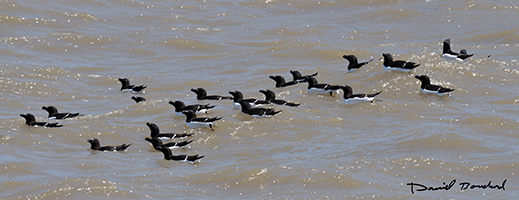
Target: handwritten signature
[(464, 186)]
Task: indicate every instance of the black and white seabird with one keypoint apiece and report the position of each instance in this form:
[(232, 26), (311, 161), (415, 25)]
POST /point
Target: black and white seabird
[(321, 88), (183, 158), (31, 121), (299, 78), (198, 108), (271, 96), (238, 96), (201, 94), (448, 53), (130, 88), (280, 81), (353, 63), (257, 112), (397, 65), (199, 122), (95, 145), (427, 88), (352, 99), (155, 133), (157, 142), (53, 113), (138, 99)]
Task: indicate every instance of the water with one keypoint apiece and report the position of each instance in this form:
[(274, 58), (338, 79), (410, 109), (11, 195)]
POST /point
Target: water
[(70, 55)]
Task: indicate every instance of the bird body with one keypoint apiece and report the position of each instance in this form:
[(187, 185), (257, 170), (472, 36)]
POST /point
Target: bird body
[(155, 142), (183, 158), (271, 96), (321, 88), (54, 114), (199, 122), (449, 54), (299, 78), (352, 99), (95, 145), (197, 108), (397, 65), (427, 88), (31, 121), (354, 63), (155, 133), (257, 112), (280, 81), (201, 94), (138, 99), (127, 87), (238, 96)]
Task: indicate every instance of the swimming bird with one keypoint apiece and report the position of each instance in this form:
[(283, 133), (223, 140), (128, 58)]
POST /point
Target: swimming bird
[(31, 121), (321, 88), (271, 96), (428, 88), (130, 88), (157, 142), (138, 99), (397, 65), (53, 113), (353, 63), (280, 81), (199, 122), (238, 96), (201, 94), (198, 108), (299, 78), (352, 99), (95, 145), (448, 53), (257, 112), (155, 133), (183, 158)]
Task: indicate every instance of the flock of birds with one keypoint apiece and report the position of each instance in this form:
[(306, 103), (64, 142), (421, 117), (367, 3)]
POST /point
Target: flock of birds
[(249, 106)]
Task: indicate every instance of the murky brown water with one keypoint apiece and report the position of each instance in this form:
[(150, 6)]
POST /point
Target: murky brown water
[(69, 54)]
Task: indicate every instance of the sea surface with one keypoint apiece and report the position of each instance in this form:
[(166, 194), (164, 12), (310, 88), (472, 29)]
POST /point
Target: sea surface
[(70, 54)]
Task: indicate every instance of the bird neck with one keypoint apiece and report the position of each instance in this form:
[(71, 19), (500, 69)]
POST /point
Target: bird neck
[(347, 93), (237, 97), (446, 47), (245, 107), (190, 116), (95, 146)]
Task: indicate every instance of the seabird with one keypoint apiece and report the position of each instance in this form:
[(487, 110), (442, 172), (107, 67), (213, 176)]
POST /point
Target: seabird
[(428, 88), (130, 88), (257, 112), (95, 145), (198, 108), (183, 158), (53, 113), (352, 99), (271, 96), (157, 142), (324, 89), (199, 122), (397, 65), (155, 133), (31, 121), (448, 53), (299, 78), (353, 63), (238, 96), (201, 94), (280, 81), (138, 99)]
